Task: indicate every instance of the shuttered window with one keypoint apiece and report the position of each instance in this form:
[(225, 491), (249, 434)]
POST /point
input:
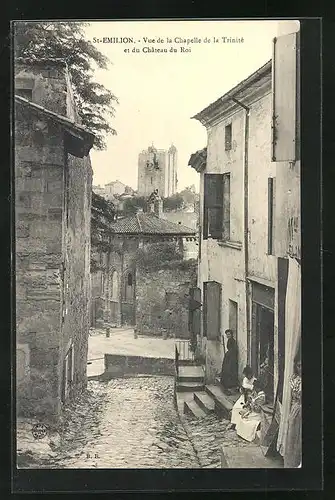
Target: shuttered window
[(286, 98), (226, 207), (213, 206), (228, 137), (212, 310)]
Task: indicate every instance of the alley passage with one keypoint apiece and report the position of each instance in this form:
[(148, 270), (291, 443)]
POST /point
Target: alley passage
[(125, 423)]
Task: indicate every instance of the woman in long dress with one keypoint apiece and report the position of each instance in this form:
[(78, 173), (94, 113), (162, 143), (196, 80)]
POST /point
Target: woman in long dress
[(250, 420), (246, 389), (292, 454), (229, 371)]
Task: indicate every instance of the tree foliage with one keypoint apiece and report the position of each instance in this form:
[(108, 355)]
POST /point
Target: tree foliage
[(158, 255), (173, 202), (132, 205), (103, 213), (66, 40)]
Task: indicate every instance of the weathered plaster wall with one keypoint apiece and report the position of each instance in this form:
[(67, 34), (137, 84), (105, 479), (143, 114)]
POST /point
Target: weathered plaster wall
[(218, 261), (188, 219), (38, 212), (260, 169)]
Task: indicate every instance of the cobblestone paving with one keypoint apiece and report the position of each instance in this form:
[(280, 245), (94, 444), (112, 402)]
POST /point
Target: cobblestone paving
[(124, 423), (208, 434)]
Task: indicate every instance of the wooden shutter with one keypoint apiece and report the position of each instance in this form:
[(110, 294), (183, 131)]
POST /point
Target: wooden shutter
[(286, 98), (212, 302), (226, 206), (213, 206), (254, 340)]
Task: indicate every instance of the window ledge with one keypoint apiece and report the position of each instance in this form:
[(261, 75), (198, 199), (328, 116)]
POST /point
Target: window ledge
[(231, 244)]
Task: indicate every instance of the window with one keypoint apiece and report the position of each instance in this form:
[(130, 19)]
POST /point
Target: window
[(213, 206), (26, 93), (217, 206), (128, 288), (150, 180), (228, 137), (226, 207), (114, 285), (270, 215)]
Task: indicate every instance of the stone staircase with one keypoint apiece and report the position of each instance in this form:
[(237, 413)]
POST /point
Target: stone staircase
[(203, 399)]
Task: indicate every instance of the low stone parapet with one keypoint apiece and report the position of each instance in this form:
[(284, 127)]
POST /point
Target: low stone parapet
[(117, 365)]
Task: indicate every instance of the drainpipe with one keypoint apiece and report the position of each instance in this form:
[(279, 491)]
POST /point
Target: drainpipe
[(246, 221)]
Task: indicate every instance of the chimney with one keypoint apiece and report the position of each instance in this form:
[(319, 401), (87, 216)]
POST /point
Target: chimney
[(158, 207)]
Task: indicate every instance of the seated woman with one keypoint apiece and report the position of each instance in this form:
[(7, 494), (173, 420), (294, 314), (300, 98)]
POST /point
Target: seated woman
[(246, 389), (250, 420)]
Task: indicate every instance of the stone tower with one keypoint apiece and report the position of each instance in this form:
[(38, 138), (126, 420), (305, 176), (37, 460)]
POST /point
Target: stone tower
[(157, 169)]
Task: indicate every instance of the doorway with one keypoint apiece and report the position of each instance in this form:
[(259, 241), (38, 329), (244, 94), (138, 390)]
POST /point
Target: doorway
[(128, 299), (262, 346), (262, 337), (233, 318)]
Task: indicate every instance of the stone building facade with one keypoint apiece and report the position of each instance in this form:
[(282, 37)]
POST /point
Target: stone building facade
[(150, 300), (157, 169), (53, 183), (249, 193)]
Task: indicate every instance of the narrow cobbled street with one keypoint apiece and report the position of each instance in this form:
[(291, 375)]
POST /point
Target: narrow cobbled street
[(124, 423)]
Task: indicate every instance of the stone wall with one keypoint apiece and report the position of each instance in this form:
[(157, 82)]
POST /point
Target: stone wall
[(161, 305), (117, 365), (38, 210), (50, 84), (52, 205), (76, 246)]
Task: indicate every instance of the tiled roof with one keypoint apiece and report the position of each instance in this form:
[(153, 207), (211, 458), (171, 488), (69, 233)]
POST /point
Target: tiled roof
[(149, 223)]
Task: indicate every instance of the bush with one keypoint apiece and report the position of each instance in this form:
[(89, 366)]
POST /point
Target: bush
[(158, 255)]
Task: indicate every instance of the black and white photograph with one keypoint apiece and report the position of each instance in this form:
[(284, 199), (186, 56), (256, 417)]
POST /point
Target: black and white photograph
[(157, 244)]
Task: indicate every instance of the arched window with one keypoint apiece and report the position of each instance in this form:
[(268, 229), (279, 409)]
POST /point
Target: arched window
[(128, 287), (114, 285)]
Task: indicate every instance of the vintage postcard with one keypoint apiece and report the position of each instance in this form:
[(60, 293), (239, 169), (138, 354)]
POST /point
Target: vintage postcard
[(157, 244)]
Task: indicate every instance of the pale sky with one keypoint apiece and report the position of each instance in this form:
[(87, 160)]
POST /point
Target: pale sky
[(159, 92)]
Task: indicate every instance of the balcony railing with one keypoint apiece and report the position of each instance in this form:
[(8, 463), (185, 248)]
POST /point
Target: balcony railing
[(184, 350)]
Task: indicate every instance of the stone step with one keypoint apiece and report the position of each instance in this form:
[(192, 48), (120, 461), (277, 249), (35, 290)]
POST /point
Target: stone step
[(247, 457), (192, 409), (223, 403), (189, 386), (182, 378), (204, 401)]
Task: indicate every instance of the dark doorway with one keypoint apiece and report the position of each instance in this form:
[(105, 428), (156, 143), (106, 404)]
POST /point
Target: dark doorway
[(128, 300), (262, 347), (233, 318)]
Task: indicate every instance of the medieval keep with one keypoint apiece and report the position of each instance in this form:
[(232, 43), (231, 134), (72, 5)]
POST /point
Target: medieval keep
[(157, 169)]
